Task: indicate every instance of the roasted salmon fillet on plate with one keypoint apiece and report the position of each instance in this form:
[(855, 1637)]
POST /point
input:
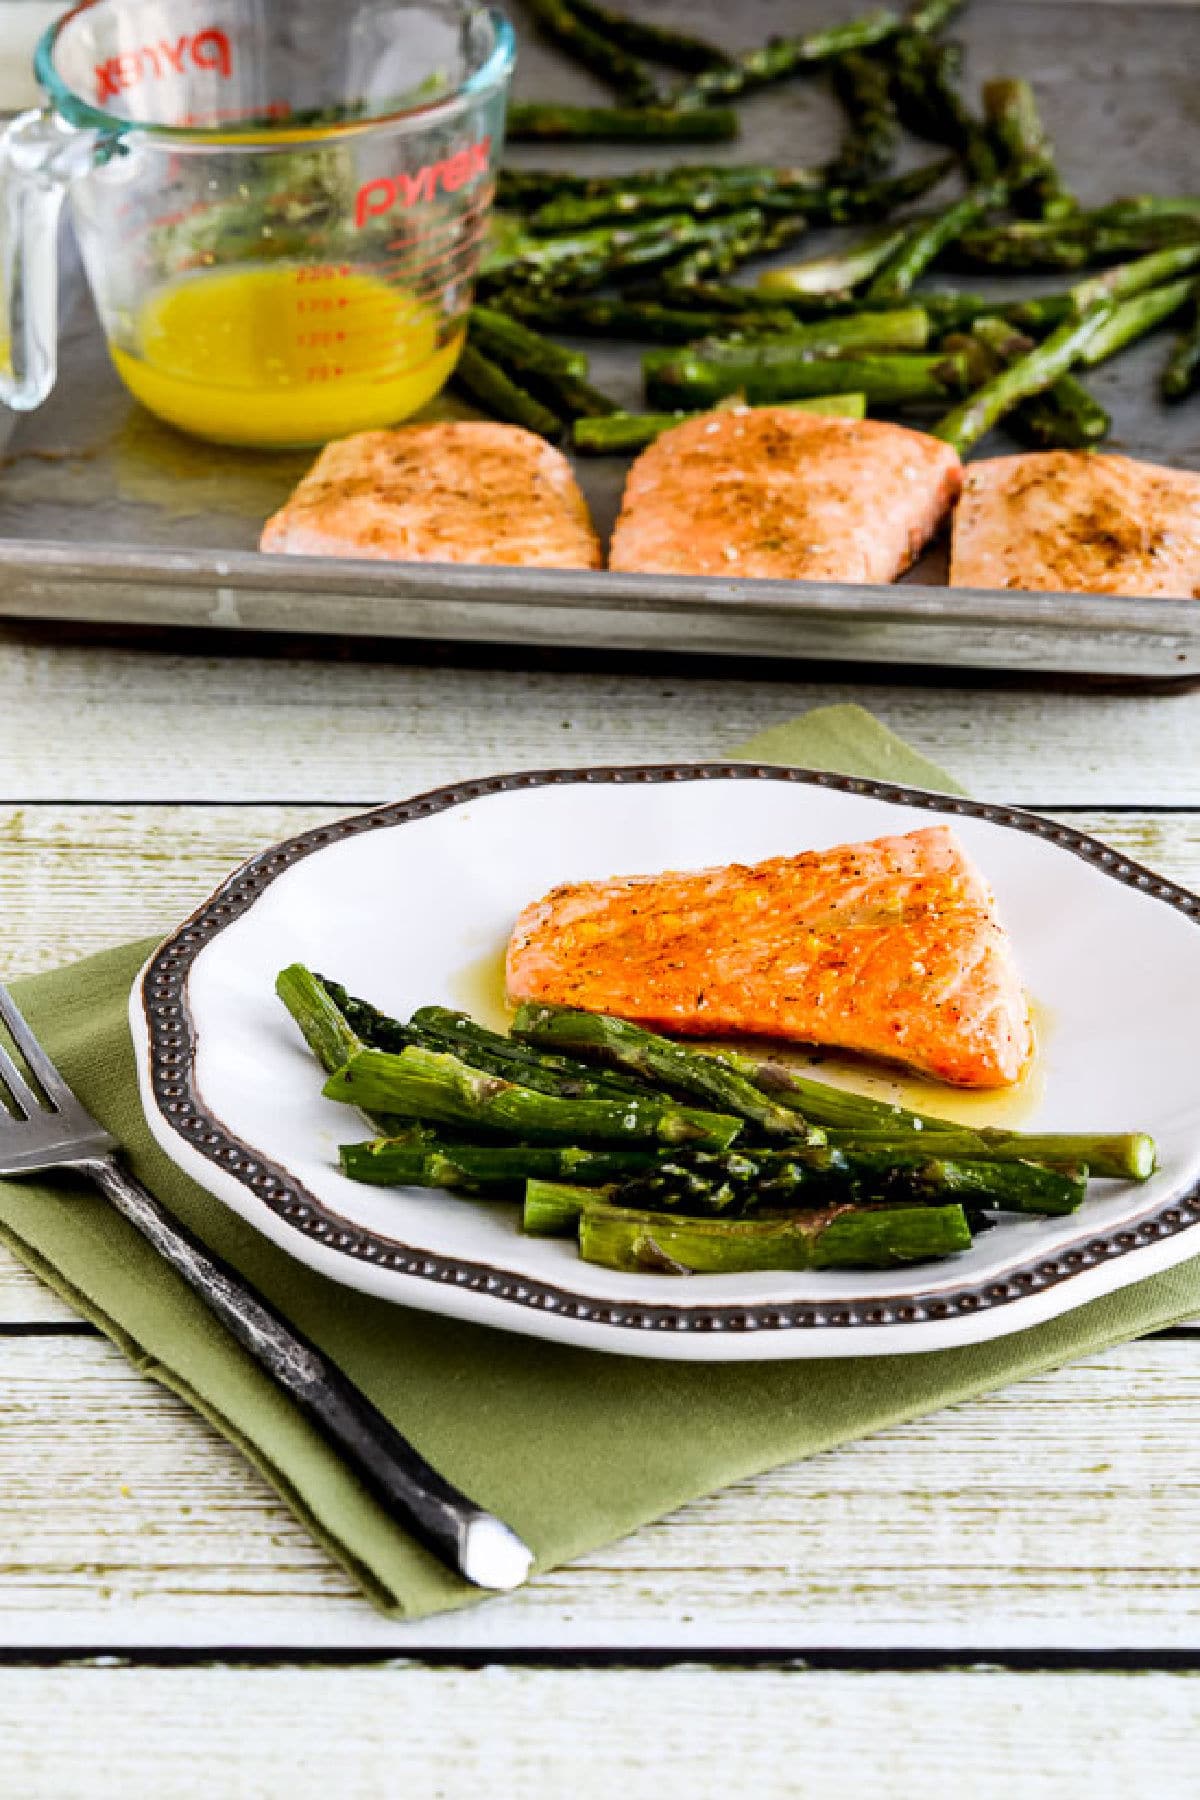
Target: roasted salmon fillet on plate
[(1075, 521), (892, 948), (460, 492), (765, 491)]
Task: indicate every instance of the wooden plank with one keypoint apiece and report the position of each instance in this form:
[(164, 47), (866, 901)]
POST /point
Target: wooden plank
[(76, 878), (89, 724), (594, 1733), (1062, 1512)]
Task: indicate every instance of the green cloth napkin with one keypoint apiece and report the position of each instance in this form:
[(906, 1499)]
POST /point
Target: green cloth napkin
[(572, 1448)]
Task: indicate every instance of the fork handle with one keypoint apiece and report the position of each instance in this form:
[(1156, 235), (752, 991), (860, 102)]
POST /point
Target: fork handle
[(464, 1536)]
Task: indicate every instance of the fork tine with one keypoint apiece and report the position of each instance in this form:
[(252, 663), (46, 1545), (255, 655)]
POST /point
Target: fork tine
[(53, 1085), (23, 1095)]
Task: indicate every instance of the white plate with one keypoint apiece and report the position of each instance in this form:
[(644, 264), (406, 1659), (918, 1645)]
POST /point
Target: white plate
[(404, 903)]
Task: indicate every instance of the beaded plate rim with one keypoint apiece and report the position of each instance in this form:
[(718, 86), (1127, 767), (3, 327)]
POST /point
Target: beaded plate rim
[(171, 1037)]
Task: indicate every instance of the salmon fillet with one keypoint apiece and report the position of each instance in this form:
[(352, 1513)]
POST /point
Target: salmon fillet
[(768, 492), (1069, 520), (891, 947), (461, 492)]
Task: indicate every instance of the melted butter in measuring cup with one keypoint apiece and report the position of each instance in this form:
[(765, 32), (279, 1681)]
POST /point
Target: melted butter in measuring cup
[(276, 354)]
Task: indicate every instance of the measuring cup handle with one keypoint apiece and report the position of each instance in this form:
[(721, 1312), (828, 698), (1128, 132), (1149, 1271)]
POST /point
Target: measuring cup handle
[(39, 157)]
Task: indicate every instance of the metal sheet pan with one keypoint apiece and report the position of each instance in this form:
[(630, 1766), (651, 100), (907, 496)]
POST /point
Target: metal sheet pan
[(107, 516)]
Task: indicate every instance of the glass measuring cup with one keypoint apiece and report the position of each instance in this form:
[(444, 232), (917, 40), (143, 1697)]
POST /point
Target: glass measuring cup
[(280, 206)]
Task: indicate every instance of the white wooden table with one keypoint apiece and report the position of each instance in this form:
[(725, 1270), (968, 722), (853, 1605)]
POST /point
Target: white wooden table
[(1000, 1600)]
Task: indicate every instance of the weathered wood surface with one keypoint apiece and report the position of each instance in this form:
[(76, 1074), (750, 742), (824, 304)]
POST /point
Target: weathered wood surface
[(1059, 1513), (85, 724), (255, 1734)]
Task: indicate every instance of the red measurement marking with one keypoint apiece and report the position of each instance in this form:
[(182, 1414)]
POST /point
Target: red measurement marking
[(323, 272), (387, 191), (208, 49)]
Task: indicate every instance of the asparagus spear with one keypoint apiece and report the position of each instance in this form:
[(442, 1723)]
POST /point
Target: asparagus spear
[(534, 187), (1073, 243), (764, 375), (1117, 1156), (825, 1104), (570, 1082), (784, 57), (929, 16), (372, 1027), (867, 199), (1127, 279), (752, 1181), (579, 212), (947, 311), (486, 383), (1027, 154), (730, 1185), (620, 1044), (572, 398), (553, 1208), (778, 232), (444, 1029), (1065, 416), (1127, 1156), (951, 311), (662, 239), (1181, 376), (540, 186), (589, 257), (518, 349), (1042, 313), (927, 99), (721, 245), (526, 188), (1133, 207), (332, 1037), (965, 424), (804, 203), (388, 1162), (562, 24), (547, 121), (999, 1184), (1028, 245), (874, 1237), (323, 1025), (862, 85), (838, 272), (677, 49), (623, 432), (705, 191), (902, 328), (924, 242), (645, 320), (438, 1028), (1132, 319), (424, 1084), (719, 297)]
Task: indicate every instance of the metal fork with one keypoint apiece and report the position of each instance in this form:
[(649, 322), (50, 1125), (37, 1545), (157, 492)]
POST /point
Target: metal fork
[(50, 1130)]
